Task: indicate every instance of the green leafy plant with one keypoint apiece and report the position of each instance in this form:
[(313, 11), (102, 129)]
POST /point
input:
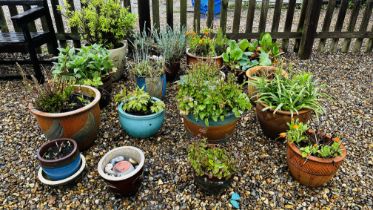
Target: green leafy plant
[(86, 65), (206, 44), (103, 22), (205, 95), (210, 162), (138, 102)]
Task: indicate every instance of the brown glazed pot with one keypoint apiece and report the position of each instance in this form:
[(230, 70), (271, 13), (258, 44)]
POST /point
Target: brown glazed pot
[(274, 124), (105, 91), (172, 71), (81, 124), (130, 183), (314, 171), (192, 59)]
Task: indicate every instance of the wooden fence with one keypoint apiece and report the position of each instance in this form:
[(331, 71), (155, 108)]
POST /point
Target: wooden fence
[(303, 37)]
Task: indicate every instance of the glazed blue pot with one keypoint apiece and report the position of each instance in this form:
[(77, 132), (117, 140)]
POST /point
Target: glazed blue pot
[(140, 126), (156, 87), (61, 168)]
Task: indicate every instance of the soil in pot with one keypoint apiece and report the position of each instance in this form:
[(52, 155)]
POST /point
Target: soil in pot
[(143, 113), (212, 186), (59, 150), (76, 101)]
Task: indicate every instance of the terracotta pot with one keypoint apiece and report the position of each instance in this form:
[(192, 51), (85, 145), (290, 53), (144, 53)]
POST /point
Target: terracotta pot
[(216, 132), (81, 124), (274, 124), (192, 59), (172, 71), (105, 91), (118, 56), (129, 183), (314, 171), (211, 186)]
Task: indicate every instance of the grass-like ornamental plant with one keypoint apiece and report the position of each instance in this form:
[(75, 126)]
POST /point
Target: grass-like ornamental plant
[(211, 162), (207, 96)]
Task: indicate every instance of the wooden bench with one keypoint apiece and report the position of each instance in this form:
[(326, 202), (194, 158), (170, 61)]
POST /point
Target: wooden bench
[(27, 41)]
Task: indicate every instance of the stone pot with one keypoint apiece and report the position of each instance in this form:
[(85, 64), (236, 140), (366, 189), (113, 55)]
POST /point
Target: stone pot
[(129, 183), (141, 126), (172, 71), (63, 167), (81, 124), (313, 171), (105, 91), (118, 56), (211, 186), (192, 59), (274, 124), (156, 86), (216, 132)]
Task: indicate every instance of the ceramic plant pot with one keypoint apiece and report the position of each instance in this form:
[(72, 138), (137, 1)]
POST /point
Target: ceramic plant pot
[(105, 91), (118, 56), (129, 183), (211, 186), (313, 171), (140, 126), (274, 124), (192, 59), (81, 124), (61, 168), (172, 71), (156, 86), (216, 132)]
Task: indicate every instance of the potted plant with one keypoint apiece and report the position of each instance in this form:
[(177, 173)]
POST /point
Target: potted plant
[(89, 65), (140, 115), (313, 157), (103, 22), (205, 47), (59, 158), (126, 183), (283, 98), (171, 44), (213, 168), (209, 105)]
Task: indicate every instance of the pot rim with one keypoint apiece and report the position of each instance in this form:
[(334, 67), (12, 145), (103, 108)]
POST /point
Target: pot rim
[(202, 57), (70, 113), (139, 117), (162, 75), (300, 112), (129, 175), (124, 43), (257, 68), (71, 154), (230, 114), (337, 159)]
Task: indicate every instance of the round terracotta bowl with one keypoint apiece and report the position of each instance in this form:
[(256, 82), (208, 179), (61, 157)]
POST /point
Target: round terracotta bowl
[(129, 183), (274, 124), (313, 171), (193, 59), (212, 186), (81, 124)]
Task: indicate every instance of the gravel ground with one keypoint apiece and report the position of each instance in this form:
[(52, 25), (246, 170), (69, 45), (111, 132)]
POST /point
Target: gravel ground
[(263, 180)]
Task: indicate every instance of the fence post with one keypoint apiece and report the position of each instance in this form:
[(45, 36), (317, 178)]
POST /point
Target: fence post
[(144, 15), (309, 29)]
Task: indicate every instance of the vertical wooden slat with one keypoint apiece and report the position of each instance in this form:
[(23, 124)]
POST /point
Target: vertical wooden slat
[(288, 23), (13, 11), (31, 26), (127, 4), (74, 30), (183, 13), (223, 15), (364, 24), (58, 20), (327, 21), (276, 15), (301, 23), (309, 31), (197, 16), (351, 25), (250, 16), (155, 10), (339, 24), (237, 16), (370, 43), (263, 16), (3, 24), (144, 15), (210, 14), (170, 13)]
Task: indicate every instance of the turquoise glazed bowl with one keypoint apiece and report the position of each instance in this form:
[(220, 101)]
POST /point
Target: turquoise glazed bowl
[(140, 126)]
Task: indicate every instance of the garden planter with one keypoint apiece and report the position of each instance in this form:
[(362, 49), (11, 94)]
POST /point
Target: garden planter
[(156, 86), (172, 71), (129, 183), (216, 132), (313, 171), (62, 167), (140, 126), (192, 59), (211, 186), (274, 124), (105, 91), (118, 56), (81, 124)]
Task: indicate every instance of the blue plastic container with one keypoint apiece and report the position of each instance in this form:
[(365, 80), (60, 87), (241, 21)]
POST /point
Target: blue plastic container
[(204, 6), (155, 88), (143, 126)]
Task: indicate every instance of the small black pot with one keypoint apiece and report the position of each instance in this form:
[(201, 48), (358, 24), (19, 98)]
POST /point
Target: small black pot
[(172, 71), (212, 186), (240, 75), (105, 91)]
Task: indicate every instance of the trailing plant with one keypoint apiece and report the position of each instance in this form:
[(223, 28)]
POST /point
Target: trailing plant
[(139, 102), (210, 162), (205, 95), (206, 44), (103, 22), (86, 65)]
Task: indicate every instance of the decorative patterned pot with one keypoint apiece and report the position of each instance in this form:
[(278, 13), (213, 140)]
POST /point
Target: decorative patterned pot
[(192, 59), (212, 186), (216, 132), (63, 167), (156, 86), (141, 126), (129, 183), (118, 56), (81, 124), (313, 171)]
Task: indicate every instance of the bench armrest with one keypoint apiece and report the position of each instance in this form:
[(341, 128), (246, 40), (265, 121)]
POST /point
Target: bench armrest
[(29, 15)]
